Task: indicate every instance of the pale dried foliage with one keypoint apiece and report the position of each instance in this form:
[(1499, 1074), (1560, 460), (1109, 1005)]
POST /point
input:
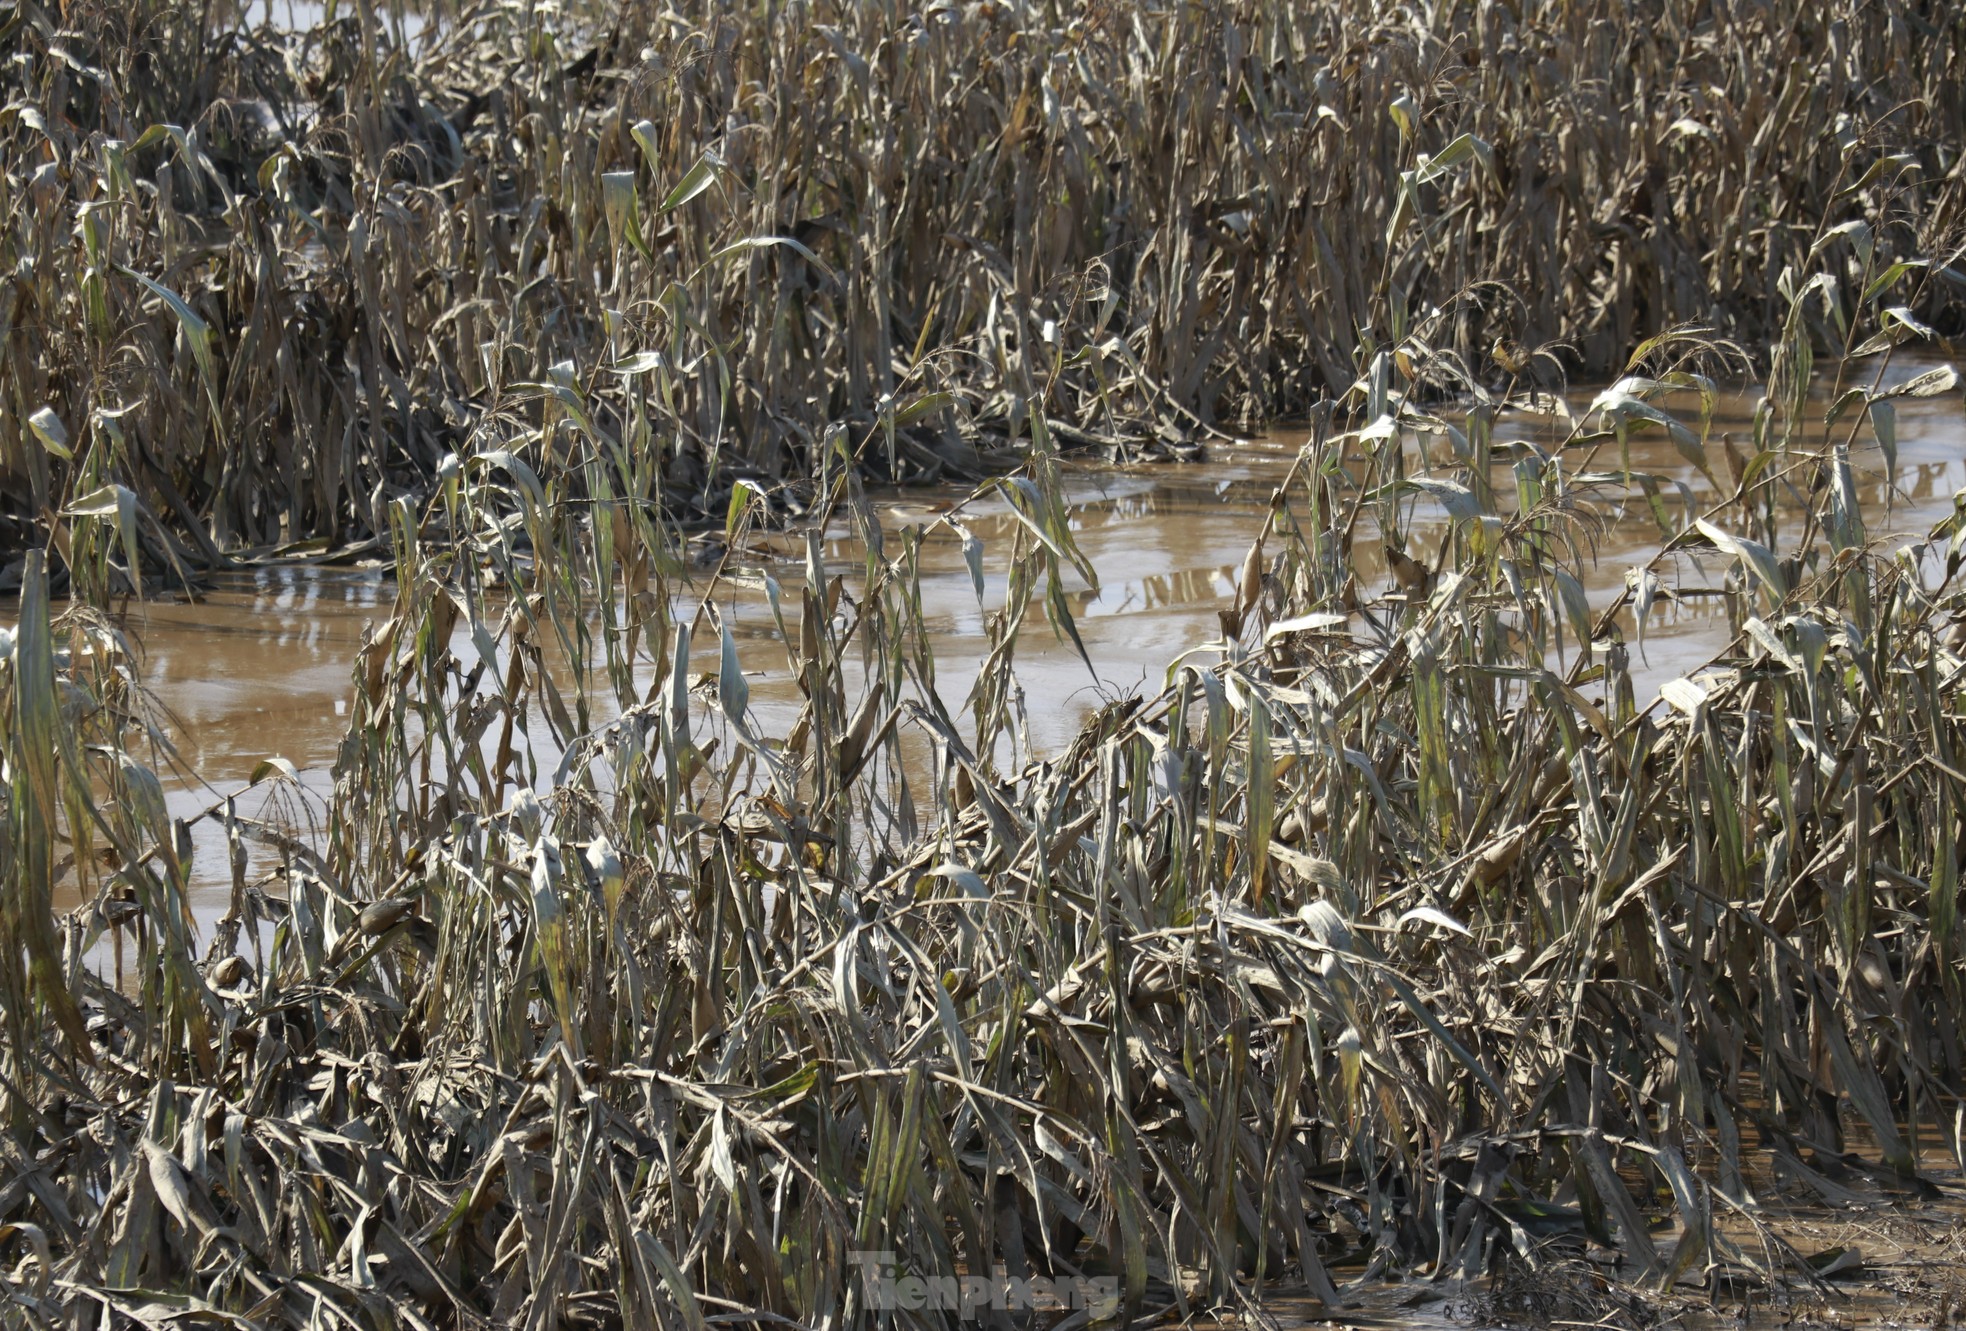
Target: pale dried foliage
[(819, 214), (1397, 935)]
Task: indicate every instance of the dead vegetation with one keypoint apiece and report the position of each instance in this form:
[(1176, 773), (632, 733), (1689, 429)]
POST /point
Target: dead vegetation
[(348, 252), (1398, 935)]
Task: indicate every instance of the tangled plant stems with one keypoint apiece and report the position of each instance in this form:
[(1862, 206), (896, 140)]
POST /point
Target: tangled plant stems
[(1395, 935)]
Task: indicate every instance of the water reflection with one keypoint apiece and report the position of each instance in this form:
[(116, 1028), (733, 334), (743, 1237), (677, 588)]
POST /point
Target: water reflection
[(410, 27), (262, 667)]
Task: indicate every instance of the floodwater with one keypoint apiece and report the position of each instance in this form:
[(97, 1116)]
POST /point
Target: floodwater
[(262, 666), (407, 27)]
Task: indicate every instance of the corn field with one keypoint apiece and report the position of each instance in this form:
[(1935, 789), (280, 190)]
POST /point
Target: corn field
[(347, 256), (1397, 937)]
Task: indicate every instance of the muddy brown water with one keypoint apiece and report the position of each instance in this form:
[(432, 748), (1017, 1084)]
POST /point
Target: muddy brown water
[(261, 666)]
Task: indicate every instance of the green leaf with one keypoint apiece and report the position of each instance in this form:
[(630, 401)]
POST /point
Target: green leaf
[(1758, 558), (1883, 280), (119, 502), (51, 432), (37, 718), (196, 332), (750, 243), (1884, 424), (701, 177), (624, 214), (1576, 605), (1878, 169), (742, 495), (733, 692), (925, 405), (1858, 233), (644, 134), (1405, 114), (1898, 327), (276, 767), (1849, 398), (1406, 207)]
